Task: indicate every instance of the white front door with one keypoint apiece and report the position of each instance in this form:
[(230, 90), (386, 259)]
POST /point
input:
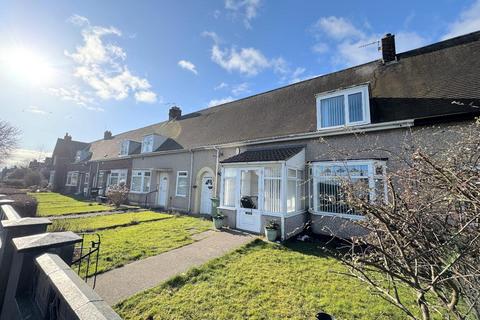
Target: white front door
[(206, 195), (163, 190), (248, 213)]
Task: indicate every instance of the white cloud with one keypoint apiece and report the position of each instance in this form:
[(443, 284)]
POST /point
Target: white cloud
[(101, 65), (187, 65), (221, 85), (75, 95), (36, 110), (216, 102), (212, 35), (249, 61), (353, 45), (247, 9), (468, 21), (21, 157), (320, 47), (240, 88), (146, 96), (338, 27)]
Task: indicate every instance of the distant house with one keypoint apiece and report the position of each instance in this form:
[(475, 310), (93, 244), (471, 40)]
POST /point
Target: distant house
[(262, 155)]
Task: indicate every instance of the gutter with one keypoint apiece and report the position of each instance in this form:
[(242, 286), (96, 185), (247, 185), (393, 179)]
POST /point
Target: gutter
[(190, 183), (216, 171), (296, 136)]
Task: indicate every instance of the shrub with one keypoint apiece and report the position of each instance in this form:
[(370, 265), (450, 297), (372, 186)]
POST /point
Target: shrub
[(118, 194), (32, 178), (25, 205)]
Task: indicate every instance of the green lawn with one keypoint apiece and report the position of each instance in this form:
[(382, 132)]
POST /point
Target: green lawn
[(261, 281), (150, 234), (88, 224), (55, 204)]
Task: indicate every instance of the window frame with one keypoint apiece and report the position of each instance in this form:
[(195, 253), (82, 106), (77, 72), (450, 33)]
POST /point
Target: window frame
[(70, 174), (363, 89), (371, 177), (122, 145), (119, 172), (149, 136), (142, 181), (222, 188), (176, 185)]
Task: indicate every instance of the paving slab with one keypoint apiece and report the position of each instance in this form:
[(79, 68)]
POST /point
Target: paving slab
[(118, 284)]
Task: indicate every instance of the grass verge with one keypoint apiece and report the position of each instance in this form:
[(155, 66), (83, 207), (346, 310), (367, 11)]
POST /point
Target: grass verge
[(261, 281), (55, 204)]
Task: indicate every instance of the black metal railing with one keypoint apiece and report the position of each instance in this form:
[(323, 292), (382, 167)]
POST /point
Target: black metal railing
[(86, 254)]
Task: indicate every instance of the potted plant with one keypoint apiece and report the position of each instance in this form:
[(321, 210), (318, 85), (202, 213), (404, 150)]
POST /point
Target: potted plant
[(218, 220), (271, 230)]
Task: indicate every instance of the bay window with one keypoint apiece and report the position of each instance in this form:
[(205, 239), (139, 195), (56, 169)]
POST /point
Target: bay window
[(329, 179), (343, 108), (140, 181), (182, 184)]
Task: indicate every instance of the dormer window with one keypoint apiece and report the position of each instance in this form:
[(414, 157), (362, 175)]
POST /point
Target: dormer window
[(124, 147), (78, 156), (348, 107), (147, 144)]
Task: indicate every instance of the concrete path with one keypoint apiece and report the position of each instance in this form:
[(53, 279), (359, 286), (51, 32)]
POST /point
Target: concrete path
[(118, 284)]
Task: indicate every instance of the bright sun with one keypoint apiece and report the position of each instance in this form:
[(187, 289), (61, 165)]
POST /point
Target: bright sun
[(26, 66)]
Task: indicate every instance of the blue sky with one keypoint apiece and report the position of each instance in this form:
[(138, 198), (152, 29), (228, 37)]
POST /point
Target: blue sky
[(88, 66)]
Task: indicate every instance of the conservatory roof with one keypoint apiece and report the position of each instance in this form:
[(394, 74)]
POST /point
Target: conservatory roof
[(265, 155)]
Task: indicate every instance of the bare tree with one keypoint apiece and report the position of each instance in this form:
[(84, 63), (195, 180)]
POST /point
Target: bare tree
[(425, 238), (9, 136)]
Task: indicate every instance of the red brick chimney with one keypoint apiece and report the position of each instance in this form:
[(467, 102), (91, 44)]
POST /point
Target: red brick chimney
[(107, 135), (388, 48), (67, 137)]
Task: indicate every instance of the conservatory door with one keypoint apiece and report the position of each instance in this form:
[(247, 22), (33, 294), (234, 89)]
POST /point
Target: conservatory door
[(248, 213)]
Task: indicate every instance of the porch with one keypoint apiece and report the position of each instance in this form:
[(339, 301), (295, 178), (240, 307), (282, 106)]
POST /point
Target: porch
[(261, 185)]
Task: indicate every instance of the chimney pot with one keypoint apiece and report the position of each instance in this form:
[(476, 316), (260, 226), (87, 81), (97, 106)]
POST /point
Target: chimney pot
[(67, 137), (388, 48), (107, 135), (174, 113)]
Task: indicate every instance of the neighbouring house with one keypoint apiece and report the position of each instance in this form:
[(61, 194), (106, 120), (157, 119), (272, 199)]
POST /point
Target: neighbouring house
[(269, 156)]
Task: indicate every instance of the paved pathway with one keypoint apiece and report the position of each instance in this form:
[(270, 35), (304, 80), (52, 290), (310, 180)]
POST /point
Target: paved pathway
[(118, 284)]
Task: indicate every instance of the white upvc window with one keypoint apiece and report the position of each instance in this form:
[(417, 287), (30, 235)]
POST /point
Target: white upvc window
[(72, 179), (229, 180), (348, 107), (140, 181), (182, 184), (147, 143), (272, 189), (329, 178), (295, 190), (124, 147), (117, 177), (86, 181)]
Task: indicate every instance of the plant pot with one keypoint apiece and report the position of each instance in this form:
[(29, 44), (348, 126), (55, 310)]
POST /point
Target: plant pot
[(218, 223), (271, 234)]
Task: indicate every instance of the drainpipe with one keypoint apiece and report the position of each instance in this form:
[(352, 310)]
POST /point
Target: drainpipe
[(216, 171), (190, 186)]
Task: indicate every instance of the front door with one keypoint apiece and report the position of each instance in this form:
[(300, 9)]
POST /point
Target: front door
[(206, 195), (248, 213), (163, 190)]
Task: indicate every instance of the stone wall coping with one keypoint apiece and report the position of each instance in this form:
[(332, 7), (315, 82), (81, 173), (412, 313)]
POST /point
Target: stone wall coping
[(86, 303), (45, 240), (8, 210), (23, 222)]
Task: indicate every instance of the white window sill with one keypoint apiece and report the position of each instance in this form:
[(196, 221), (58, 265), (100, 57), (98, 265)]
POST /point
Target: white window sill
[(139, 192), (338, 215)]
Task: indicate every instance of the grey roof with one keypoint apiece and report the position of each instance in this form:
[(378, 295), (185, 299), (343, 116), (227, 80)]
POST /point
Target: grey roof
[(422, 83), (68, 149), (264, 155)]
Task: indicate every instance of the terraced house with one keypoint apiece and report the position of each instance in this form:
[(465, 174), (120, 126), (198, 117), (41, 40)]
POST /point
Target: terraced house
[(269, 156)]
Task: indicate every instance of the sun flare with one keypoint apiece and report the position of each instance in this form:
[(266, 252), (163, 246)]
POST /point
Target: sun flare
[(26, 65)]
